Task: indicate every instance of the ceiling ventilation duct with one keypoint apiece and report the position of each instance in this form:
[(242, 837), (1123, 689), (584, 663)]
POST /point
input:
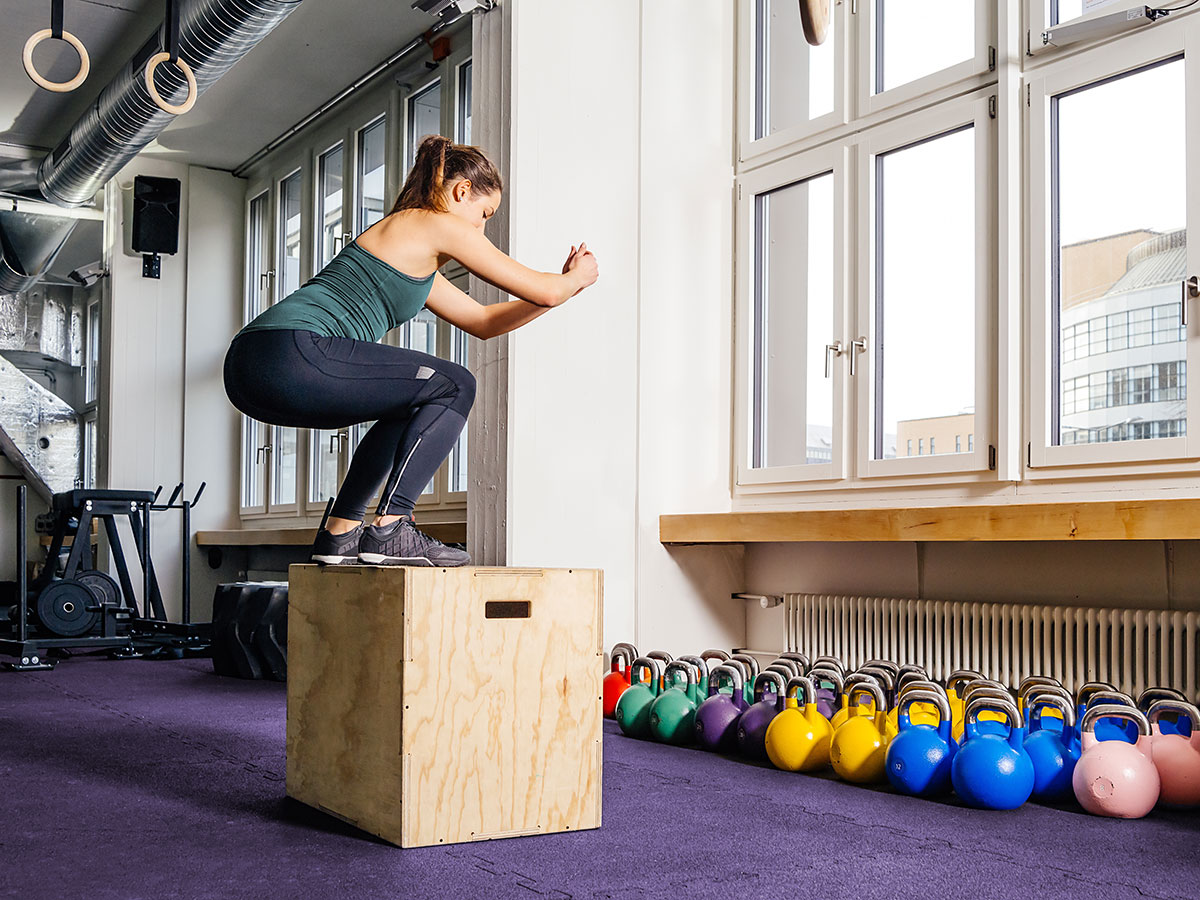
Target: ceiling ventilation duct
[(213, 35), (28, 244)]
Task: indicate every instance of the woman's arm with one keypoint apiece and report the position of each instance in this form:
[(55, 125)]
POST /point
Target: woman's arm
[(449, 303), (469, 245)]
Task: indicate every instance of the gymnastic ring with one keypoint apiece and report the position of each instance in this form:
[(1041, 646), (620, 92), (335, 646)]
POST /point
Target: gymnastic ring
[(151, 65), (60, 87)]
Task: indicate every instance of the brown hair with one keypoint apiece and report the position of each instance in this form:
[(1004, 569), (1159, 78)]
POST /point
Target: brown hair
[(440, 160)]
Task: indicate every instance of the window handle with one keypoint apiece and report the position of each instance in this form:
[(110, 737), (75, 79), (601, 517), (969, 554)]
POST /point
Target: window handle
[(860, 345), (337, 245), (335, 439), (264, 280), (1189, 288), (264, 450), (835, 349)]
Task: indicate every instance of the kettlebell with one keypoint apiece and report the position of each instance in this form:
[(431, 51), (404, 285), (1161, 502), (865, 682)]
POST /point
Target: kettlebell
[(701, 674), (753, 724), (954, 685), (919, 757), (664, 659), (892, 667), (990, 721), (673, 712), (617, 680), (800, 659), (1052, 744), (1112, 729), (1180, 725), (633, 709), (886, 679), (1176, 756), (992, 771), (830, 662), (752, 671), (1113, 778), (717, 717), (847, 709), (921, 713), (797, 740), (1052, 716), (858, 748), (828, 684)]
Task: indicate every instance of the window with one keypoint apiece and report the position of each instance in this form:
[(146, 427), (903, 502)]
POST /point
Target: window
[(911, 44), (424, 118), (958, 443), (329, 205), (91, 375), (795, 82), (464, 103), (258, 278), (921, 447), (1110, 373), (370, 175), (908, 451)]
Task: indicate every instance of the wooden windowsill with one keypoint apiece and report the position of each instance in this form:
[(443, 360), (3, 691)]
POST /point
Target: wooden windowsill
[(1126, 520), (303, 535)]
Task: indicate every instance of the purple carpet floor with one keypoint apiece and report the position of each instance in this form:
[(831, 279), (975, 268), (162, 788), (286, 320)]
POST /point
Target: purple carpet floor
[(132, 779)]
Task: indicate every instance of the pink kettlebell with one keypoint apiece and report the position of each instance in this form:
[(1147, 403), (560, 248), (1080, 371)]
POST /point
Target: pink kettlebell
[(1176, 757), (1113, 778)]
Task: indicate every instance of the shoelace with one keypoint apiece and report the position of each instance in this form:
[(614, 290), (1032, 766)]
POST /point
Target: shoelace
[(424, 541)]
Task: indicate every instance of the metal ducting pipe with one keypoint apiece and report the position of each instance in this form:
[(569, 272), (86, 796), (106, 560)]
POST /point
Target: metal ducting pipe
[(213, 35), (28, 244)]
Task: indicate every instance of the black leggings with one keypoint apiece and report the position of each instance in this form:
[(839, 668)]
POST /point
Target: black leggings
[(298, 379)]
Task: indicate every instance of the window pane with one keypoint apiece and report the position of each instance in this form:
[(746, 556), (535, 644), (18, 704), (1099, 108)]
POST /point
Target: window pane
[(289, 235), (424, 118), (92, 371), (89, 453), (464, 104), (258, 252), (793, 311), (1120, 256), (324, 456), (252, 482), (1059, 11), (370, 175), (913, 40), (925, 292), (458, 457), (283, 465), (794, 80), (329, 202)]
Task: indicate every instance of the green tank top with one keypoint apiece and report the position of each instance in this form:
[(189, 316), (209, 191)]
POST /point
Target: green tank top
[(357, 296)]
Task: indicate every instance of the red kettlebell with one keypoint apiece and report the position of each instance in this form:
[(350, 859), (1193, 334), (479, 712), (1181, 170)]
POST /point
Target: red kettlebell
[(1113, 778), (1176, 757), (617, 680)]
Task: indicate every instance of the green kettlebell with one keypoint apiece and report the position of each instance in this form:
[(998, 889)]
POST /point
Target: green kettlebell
[(750, 664), (673, 712), (633, 709), (701, 674)]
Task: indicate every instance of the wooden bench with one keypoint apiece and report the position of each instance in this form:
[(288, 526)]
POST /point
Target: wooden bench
[(1121, 520)]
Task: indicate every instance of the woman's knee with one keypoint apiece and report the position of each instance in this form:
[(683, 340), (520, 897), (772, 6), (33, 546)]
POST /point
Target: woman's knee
[(464, 383)]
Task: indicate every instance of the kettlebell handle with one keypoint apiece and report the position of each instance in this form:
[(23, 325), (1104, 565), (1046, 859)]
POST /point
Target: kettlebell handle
[(800, 658), (1038, 700), (1147, 698), (749, 661), (1114, 711), (1032, 688), (1170, 704), (625, 652), (701, 666), (871, 687), (819, 675), (995, 704), (680, 665), (773, 676), (961, 676), (924, 695), (1090, 687), (651, 664), (920, 685), (736, 678), (807, 693)]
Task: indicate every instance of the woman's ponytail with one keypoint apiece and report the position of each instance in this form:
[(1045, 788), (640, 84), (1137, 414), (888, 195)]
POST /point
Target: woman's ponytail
[(440, 161)]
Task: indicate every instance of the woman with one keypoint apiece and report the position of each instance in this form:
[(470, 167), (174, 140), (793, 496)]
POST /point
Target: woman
[(312, 361)]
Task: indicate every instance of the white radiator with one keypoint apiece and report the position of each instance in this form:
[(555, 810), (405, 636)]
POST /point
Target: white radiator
[(1131, 648)]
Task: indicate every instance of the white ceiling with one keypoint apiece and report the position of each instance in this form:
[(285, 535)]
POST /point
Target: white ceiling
[(319, 49)]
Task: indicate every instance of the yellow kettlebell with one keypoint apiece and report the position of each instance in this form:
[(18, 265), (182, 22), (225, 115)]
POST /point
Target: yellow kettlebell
[(1037, 684), (847, 709), (798, 738), (954, 687), (858, 749)]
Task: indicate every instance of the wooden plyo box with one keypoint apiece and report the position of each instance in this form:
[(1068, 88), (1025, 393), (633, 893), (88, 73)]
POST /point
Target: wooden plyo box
[(434, 706)]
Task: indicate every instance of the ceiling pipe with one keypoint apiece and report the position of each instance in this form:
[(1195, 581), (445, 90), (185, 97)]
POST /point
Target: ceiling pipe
[(213, 35)]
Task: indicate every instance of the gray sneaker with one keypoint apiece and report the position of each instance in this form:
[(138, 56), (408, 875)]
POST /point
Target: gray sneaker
[(401, 544), (336, 549)]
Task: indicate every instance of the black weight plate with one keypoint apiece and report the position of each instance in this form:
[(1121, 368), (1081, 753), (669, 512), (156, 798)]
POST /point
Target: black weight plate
[(63, 608), (103, 585)]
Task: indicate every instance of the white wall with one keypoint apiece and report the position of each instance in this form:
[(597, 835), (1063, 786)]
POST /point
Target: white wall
[(622, 135), (168, 420)]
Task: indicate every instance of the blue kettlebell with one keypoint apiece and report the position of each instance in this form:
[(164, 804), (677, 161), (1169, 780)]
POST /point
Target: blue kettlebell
[(1180, 725), (1041, 684), (1053, 748), (991, 771), (920, 756)]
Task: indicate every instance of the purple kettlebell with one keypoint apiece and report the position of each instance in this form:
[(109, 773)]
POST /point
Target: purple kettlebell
[(717, 717), (752, 726)]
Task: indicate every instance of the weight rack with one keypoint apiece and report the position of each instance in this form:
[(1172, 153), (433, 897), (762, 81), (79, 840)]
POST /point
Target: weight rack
[(125, 630)]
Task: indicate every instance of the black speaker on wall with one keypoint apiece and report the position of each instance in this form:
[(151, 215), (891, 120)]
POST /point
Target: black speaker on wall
[(155, 215)]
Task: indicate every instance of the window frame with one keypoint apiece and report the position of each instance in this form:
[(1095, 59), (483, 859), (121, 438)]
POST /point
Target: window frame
[(944, 118), (831, 159), (751, 149), (980, 64), (1137, 51)]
